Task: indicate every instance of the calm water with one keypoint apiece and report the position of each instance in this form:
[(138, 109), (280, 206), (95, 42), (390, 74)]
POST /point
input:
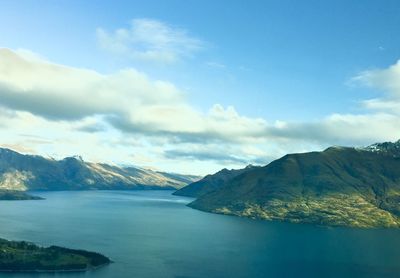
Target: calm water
[(153, 234)]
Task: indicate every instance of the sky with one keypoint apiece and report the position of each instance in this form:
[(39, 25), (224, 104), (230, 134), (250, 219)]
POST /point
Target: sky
[(196, 86)]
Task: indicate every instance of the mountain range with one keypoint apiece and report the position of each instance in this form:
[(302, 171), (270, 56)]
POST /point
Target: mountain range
[(340, 186), (32, 172)]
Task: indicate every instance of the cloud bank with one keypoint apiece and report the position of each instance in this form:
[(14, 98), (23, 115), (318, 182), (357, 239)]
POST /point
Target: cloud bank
[(128, 100), (141, 119)]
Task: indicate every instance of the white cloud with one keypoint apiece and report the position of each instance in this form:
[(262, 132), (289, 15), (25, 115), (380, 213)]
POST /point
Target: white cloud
[(149, 39), (127, 116), (85, 112), (386, 80), (216, 65), (128, 99), (387, 105)]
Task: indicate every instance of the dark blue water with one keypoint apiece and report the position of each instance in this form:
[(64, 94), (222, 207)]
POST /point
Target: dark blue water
[(153, 234)]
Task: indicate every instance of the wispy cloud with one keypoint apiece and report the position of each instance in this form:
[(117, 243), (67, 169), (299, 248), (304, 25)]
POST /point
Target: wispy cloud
[(149, 39), (216, 65), (386, 80), (205, 155)]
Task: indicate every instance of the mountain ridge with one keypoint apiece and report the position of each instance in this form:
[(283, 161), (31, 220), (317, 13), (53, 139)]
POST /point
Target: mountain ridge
[(33, 172), (211, 182), (340, 186)]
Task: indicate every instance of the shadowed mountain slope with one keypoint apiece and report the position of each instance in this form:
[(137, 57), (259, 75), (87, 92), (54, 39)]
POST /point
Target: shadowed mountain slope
[(211, 182), (340, 186)]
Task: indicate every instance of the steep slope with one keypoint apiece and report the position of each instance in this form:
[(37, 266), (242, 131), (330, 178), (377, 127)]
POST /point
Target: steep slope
[(338, 187), (30, 172), (211, 182)]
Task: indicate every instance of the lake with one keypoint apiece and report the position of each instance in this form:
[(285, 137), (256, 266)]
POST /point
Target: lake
[(153, 234)]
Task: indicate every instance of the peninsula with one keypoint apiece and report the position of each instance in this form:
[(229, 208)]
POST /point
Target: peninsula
[(22, 256)]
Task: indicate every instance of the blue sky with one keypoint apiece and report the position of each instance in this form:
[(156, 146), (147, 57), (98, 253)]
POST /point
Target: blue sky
[(293, 64)]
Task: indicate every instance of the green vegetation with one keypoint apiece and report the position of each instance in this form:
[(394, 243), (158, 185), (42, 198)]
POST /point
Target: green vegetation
[(16, 195), (335, 210), (336, 187), (21, 256)]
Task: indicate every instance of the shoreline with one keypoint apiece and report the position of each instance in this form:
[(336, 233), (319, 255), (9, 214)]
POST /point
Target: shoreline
[(28, 257), (93, 268)]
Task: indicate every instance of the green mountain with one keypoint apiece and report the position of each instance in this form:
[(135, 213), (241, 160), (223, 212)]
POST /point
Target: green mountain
[(30, 172), (358, 187), (211, 182)]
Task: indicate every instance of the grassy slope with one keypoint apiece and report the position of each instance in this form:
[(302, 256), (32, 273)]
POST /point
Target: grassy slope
[(340, 186)]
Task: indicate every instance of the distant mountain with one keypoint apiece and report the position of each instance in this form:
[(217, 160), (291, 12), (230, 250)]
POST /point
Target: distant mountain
[(340, 186), (211, 182), (31, 172)]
